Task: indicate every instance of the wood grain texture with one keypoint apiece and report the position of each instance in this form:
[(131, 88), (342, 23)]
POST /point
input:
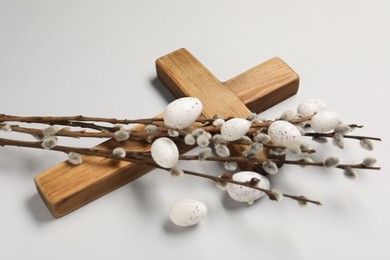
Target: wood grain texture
[(185, 76), (261, 86), (66, 187)]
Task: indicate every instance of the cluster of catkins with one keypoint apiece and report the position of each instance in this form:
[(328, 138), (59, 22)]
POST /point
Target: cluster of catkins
[(267, 142), (284, 135)]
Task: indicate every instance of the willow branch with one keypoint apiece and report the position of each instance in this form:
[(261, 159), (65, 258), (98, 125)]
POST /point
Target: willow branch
[(135, 135), (84, 125), (143, 160), (54, 119), (331, 135), (62, 119), (247, 184), (260, 160)]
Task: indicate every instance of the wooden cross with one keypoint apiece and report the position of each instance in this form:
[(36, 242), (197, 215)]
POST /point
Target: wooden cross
[(65, 188)]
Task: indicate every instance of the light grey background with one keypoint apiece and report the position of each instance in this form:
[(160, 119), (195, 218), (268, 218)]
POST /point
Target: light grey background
[(97, 58)]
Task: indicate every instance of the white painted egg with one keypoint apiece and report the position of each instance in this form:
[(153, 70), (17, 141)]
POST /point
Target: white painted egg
[(325, 121), (164, 152), (187, 213), (182, 112), (235, 128), (245, 194), (311, 107), (284, 133)]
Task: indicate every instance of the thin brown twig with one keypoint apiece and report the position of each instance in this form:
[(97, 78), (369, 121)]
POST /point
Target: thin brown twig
[(269, 193), (331, 135), (54, 119), (260, 160), (137, 135)]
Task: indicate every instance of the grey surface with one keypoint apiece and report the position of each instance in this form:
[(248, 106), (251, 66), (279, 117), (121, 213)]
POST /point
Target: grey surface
[(97, 58)]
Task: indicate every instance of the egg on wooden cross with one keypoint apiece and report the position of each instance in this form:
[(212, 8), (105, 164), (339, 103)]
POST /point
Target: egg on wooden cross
[(284, 133), (182, 112), (164, 152), (235, 128)]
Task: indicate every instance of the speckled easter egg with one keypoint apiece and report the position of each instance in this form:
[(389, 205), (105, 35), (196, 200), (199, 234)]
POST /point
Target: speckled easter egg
[(284, 133), (311, 107), (235, 128), (187, 213), (245, 194), (164, 152), (325, 121), (182, 112)]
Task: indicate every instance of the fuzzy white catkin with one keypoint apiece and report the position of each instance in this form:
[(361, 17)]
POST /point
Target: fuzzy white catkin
[(75, 158), (121, 135), (222, 150), (218, 139), (230, 166), (251, 116), (198, 132), (49, 142), (331, 162), (256, 147), (173, 133), (306, 160), (369, 161), (189, 139), (366, 144), (249, 153), (204, 153), (287, 115), (270, 167), (217, 116), (119, 126), (278, 151), (222, 185), (51, 130), (203, 140), (6, 128), (305, 148), (350, 173), (277, 194), (119, 152), (39, 136), (151, 128), (294, 150), (338, 140), (320, 139), (302, 203), (176, 172), (218, 122), (342, 129), (261, 138), (245, 140), (149, 139)]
